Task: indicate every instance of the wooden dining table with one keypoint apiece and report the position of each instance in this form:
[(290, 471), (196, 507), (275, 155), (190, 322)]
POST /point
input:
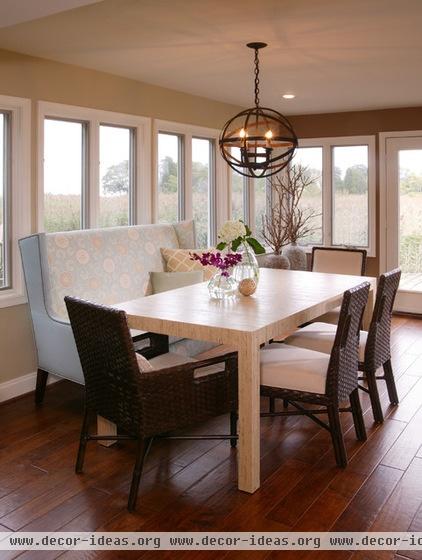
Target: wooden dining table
[(284, 300)]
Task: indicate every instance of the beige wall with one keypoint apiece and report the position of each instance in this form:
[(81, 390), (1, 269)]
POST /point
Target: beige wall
[(39, 79)]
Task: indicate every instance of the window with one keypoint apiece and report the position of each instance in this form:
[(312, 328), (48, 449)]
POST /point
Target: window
[(170, 201), (343, 190), (202, 153), (311, 202), (239, 194), (15, 196), (116, 175), (350, 195), (4, 195), (261, 200), (64, 175), (191, 178), (94, 168)]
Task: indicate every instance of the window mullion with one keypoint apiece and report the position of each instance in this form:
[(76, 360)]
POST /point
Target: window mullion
[(92, 174), (246, 200), (181, 187), (6, 280), (187, 175), (251, 209), (327, 194)]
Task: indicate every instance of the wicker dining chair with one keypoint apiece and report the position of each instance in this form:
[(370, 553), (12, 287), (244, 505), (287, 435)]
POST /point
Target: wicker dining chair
[(150, 403), (375, 345), (337, 260), (298, 375)]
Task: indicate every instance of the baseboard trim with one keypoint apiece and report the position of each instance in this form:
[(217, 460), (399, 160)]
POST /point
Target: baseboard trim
[(21, 385)]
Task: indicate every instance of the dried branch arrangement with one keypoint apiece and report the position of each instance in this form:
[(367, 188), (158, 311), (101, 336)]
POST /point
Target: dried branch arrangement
[(286, 222)]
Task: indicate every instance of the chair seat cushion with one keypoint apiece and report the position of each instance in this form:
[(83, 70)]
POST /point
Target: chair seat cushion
[(290, 367), (172, 359), (320, 338), (169, 360)]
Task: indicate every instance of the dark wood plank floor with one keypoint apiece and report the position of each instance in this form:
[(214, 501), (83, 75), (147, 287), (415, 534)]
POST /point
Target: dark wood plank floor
[(302, 489)]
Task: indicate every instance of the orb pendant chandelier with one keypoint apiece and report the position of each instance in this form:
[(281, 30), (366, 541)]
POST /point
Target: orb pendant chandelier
[(258, 142)]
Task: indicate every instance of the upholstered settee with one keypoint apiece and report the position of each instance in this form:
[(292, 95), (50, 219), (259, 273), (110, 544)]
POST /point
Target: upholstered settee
[(107, 266)]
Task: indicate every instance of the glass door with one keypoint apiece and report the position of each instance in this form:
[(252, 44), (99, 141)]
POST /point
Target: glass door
[(404, 218)]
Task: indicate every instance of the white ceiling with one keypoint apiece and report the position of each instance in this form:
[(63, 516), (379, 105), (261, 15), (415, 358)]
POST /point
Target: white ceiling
[(335, 55), (18, 11)]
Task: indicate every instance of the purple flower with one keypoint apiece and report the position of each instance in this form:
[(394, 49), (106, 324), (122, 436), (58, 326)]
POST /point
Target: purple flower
[(224, 263)]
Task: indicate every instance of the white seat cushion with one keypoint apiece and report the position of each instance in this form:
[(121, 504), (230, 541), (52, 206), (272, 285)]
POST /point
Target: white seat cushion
[(290, 367), (320, 337), (172, 359)]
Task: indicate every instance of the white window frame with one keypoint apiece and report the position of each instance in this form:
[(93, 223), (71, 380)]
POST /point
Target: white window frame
[(327, 145), (383, 214), (219, 209), (19, 192), (94, 118)]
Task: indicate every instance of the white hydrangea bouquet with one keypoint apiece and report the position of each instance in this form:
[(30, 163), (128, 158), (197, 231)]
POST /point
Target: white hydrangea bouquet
[(235, 233)]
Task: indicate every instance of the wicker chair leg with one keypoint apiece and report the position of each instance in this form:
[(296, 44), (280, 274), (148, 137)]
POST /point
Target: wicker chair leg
[(142, 451), (42, 377), (391, 384), (82, 444), (374, 396), (337, 436), (357, 415), (233, 428)]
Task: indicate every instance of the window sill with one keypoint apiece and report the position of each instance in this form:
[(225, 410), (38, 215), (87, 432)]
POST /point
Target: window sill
[(11, 298)]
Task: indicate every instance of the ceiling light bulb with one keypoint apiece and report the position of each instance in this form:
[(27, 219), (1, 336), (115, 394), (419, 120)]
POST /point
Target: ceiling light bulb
[(242, 133), (289, 95), (268, 135)]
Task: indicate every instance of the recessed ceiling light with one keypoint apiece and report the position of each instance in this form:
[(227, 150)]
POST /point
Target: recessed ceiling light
[(289, 95)]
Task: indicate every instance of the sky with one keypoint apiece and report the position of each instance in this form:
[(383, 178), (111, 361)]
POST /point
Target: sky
[(168, 146), (63, 154)]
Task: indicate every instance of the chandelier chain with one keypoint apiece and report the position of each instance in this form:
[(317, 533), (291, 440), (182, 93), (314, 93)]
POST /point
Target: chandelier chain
[(256, 78)]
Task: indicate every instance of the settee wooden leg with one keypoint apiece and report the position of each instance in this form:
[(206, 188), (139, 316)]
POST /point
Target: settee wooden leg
[(42, 377)]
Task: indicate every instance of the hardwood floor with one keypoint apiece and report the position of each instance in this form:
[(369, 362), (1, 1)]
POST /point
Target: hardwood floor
[(192, 485)]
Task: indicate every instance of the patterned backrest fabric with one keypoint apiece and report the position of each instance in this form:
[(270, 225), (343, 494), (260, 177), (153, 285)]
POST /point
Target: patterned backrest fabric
[(185, 232), (108, 265)]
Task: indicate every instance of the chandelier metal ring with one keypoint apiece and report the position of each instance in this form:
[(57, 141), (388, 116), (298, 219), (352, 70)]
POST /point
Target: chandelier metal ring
[(258, 142)]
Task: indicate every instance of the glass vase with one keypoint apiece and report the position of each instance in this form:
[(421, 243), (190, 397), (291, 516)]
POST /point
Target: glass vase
[(248, 266), (222, 287)]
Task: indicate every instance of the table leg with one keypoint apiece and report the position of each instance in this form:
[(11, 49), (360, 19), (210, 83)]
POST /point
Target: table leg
[(249, 420), (369, 309), (106, 428)]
